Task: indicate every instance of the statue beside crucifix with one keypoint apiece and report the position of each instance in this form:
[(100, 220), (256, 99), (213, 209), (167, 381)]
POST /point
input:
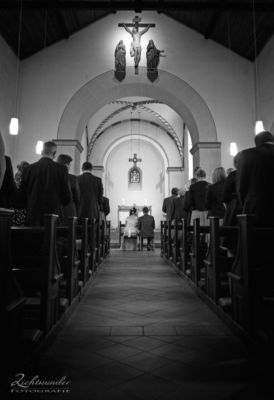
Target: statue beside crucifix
[(135, 48)]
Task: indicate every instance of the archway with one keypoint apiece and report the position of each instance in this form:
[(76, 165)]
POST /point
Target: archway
[(169, 89)]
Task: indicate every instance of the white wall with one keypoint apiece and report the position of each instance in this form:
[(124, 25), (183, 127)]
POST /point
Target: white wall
[(51, 77), (8, 65), (265, 64), (116, 183)]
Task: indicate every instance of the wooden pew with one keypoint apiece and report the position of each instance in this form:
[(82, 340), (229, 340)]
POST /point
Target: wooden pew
[(162, 236), (68, 258), (197, 252), (252, 277), (185, 246), (176, 243), (107, 238), (83, 250), (11, 297), (36, 267), (218, 262), (92, 246)]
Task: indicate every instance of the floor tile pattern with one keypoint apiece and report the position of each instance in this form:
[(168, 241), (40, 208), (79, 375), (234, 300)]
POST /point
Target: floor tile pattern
[(141, 332)]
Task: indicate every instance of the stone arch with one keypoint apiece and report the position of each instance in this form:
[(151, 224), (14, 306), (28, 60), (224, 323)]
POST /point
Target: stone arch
[(169, 89), (125, 138)]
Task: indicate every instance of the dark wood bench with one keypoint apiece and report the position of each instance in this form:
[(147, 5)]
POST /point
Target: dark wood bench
[(185, 246), (92, 247), (68, 258), (107, 238), (36, 268), (198, 252), (11, 296), (219, 262), (82, 248), (252, 277)]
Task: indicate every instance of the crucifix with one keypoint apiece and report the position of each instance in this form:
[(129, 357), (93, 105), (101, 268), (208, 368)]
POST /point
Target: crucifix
[(135, 159), (135, 47)]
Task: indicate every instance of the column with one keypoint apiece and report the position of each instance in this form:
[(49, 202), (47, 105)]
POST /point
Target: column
[(176, 178), (72, 147), (207, 155)]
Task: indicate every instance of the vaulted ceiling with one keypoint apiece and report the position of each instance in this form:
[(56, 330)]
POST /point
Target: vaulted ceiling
[(228, 22)]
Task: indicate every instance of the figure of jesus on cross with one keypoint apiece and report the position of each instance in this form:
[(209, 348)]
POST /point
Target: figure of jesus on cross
[(135, 48)]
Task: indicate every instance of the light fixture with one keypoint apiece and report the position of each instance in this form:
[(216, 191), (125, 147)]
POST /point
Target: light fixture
[(39, 146), (14, 122), (259, 126), (233, 149)]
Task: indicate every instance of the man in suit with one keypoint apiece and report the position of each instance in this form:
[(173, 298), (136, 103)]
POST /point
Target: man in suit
[(70, 210), (146, 226), (45, 188), (177, 206), (168, 203), (91, 192), (255, 178)]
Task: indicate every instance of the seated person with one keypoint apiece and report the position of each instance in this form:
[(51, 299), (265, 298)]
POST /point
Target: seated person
[(146, 225), (131, 226)]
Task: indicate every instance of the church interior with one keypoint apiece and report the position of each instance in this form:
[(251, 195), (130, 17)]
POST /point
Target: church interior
[(176, 322)]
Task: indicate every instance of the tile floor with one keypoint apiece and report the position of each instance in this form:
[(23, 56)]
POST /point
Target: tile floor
[(140, 332)]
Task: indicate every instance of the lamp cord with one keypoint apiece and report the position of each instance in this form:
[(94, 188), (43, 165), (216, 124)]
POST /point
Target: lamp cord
[(131, 133), (255, 61), (18, 57)]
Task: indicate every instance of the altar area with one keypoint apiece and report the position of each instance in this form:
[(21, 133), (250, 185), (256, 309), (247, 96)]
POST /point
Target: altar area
[(123, 212)]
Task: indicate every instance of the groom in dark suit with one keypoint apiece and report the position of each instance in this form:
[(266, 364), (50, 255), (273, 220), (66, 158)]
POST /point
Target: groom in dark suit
[(255, 179), (91, 192), (44, 187)]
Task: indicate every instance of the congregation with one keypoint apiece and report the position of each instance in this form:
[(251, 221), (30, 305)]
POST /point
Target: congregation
[(47, 187)]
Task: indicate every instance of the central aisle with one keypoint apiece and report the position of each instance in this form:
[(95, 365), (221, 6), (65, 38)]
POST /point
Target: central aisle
[(140, 332)]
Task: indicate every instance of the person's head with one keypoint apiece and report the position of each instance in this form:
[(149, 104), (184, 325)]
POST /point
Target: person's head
[(236, 160), (190, 182), (218, 175), (196, 169), (263, 137), (87, 166), (64, 159), (174, 191), (145, 210), (200, 174), (132, 211), (49, 150), (22, 165), (181, 192), (229, 170)]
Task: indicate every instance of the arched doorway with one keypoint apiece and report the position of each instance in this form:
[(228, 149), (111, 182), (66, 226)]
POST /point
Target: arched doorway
[(169, 89)]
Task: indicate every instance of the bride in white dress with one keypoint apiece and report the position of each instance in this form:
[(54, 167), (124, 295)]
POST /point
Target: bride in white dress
[(131, 226)]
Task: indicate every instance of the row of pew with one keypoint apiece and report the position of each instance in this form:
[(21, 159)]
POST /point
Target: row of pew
[(45, 271), (239, 284)]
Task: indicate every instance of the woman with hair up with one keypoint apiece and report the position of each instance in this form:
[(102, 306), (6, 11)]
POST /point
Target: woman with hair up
[(214, 196)]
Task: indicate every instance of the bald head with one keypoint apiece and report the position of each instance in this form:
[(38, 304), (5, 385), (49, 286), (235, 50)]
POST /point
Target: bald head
[(263, 137)]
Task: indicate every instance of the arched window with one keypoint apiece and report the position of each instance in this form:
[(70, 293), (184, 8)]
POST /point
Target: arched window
[(135, 178)]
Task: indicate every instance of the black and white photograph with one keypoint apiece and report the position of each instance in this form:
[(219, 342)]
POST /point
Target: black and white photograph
[(137, 199)]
